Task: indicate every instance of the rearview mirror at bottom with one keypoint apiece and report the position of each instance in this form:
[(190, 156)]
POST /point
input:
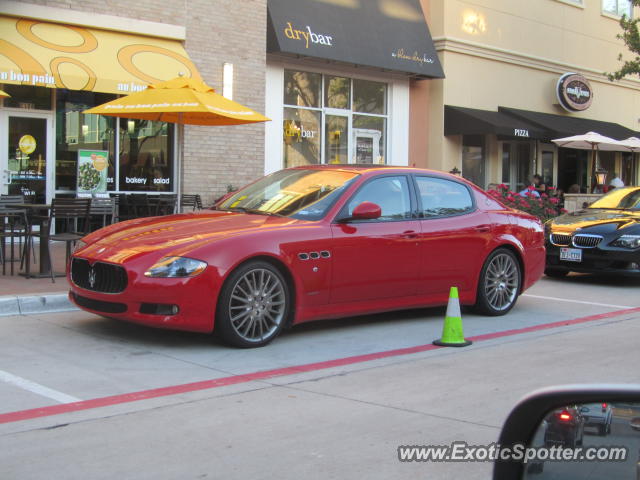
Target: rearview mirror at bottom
[(572, 432)]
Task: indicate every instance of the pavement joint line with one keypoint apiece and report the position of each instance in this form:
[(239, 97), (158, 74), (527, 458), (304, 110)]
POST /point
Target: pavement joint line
[(582, 302), (280, 372)]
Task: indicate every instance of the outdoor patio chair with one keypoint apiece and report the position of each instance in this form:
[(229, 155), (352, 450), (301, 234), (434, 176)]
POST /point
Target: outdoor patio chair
[(69, 218), (191, 201)]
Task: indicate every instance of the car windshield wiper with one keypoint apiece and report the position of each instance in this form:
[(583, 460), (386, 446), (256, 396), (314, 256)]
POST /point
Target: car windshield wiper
[(255, 211)]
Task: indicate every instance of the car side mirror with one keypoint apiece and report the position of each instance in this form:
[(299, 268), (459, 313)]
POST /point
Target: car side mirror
[(366, 211), (550, 441)]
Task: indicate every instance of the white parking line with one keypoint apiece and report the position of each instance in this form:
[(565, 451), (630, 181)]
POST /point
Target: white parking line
[(576, 301), (36, 388)]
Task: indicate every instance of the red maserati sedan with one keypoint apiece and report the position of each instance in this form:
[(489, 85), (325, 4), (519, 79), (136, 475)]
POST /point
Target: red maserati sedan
[(310, 243)]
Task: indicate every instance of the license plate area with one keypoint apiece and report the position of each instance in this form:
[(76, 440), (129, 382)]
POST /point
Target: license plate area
[(571, 254)]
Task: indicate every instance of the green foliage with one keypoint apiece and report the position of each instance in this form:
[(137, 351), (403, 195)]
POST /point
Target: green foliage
[(631, 38)]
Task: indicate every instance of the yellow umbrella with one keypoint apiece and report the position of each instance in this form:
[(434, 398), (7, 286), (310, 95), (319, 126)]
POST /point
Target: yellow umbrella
[(184, 101), (4, 94), (180, 100)]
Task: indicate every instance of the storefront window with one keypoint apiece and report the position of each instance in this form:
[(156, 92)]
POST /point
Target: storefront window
[(629, 169), (302, 88), (369, 97), (370, 133), (24, 96), (473, 158), (357, 134), (76, 131), (337, 91), (146, 156), (301, 132)]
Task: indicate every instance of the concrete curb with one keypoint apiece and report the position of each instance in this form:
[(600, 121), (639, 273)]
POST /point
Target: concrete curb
[(31, 304)]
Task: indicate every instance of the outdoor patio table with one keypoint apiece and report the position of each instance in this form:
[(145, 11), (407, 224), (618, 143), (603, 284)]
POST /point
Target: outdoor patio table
[(38, 212)]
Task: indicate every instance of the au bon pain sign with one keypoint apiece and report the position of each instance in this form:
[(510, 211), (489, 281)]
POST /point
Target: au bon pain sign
[(76, 58)]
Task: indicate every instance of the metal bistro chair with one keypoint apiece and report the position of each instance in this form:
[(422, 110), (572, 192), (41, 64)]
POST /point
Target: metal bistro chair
[(13, 225), (191, 201), (105, 208), (71, 218), (19, 225), (164, 204)]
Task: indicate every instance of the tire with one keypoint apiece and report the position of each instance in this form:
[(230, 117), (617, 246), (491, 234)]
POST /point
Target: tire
[(602, 430), (499, 284), (556, 273), (253, 306)]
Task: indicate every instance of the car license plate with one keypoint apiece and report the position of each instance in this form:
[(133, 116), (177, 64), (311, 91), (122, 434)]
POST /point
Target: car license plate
[(571, 254)]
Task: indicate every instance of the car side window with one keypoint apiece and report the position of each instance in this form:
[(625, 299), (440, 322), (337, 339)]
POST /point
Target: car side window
[(390, 193), (442, 197)]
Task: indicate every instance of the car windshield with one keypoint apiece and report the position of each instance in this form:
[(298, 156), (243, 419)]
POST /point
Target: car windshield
[(297, 193), (620, 198)]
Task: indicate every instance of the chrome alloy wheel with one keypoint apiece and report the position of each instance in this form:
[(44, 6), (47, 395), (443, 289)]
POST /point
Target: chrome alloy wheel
[(258, 304), (501, 282)]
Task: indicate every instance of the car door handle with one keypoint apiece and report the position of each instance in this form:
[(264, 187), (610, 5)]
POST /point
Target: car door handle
[(409, 234), (482, 228)]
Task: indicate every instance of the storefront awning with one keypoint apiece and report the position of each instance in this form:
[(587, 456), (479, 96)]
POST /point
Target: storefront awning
[(389, 35), (558, 126), (76, 58), (471, 121)]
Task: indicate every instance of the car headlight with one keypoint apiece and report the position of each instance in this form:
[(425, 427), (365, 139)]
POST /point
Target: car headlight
[(79, 246), (627, 241), (176, 267)]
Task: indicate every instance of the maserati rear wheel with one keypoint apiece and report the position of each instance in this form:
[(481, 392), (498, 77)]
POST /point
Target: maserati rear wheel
[(253, 305), (500, 283)]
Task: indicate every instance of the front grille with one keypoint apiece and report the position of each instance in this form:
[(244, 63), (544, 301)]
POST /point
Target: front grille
[(584, 240), (99, 305), (560, 239), (99, 277)]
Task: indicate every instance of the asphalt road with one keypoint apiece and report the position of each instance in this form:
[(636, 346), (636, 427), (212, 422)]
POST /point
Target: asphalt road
[(84, 397)]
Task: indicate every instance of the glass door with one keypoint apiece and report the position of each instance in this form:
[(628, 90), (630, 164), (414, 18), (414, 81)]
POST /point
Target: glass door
[(336, 138), (28, 170)]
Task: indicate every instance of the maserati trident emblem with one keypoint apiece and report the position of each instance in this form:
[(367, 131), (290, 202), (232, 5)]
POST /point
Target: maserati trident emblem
[(92, 278)]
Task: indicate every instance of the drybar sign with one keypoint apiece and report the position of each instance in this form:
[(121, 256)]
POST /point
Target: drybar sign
[(574, 92), (307, 36)]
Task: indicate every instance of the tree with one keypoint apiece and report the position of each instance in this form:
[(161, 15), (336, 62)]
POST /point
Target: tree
[(631, 38)]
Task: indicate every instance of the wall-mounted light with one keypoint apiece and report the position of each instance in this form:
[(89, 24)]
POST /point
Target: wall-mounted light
[(131, 126), (227, 80), (85, 130)]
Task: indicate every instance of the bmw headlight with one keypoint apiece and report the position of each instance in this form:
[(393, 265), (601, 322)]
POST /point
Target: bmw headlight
[(176, 267), (627, 241)]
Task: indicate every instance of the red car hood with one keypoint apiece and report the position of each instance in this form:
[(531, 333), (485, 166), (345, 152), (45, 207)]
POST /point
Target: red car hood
[(173, 234)]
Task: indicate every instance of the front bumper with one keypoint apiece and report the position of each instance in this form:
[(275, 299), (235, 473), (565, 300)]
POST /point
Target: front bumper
[(174, 303), (603, 260)]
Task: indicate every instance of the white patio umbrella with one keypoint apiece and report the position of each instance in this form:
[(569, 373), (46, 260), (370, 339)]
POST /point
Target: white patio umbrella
[(590, 141), (632, 144)]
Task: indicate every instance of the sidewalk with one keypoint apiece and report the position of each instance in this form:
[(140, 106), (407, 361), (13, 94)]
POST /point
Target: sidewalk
[(20, 295)]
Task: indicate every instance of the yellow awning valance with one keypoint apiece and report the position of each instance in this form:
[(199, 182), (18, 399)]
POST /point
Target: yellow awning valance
[(77, 58)]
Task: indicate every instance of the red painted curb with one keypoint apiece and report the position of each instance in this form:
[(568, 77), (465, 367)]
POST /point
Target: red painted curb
[(278, 372)]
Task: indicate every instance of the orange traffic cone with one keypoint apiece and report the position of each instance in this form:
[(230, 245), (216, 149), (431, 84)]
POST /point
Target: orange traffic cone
[(452, 335)]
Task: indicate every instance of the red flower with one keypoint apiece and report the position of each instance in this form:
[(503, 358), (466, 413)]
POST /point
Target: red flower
[(554, 200), (510, 198)]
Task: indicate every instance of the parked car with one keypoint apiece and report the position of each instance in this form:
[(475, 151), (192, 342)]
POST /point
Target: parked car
[(311, 243), (602, 238), (565, 427), (597, 415)]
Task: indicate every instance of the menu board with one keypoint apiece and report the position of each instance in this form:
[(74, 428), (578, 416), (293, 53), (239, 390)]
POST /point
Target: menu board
[(92, 171)]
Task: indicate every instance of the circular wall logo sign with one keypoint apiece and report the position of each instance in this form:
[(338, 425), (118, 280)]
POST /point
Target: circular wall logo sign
[(27, 144), (574, 92)]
